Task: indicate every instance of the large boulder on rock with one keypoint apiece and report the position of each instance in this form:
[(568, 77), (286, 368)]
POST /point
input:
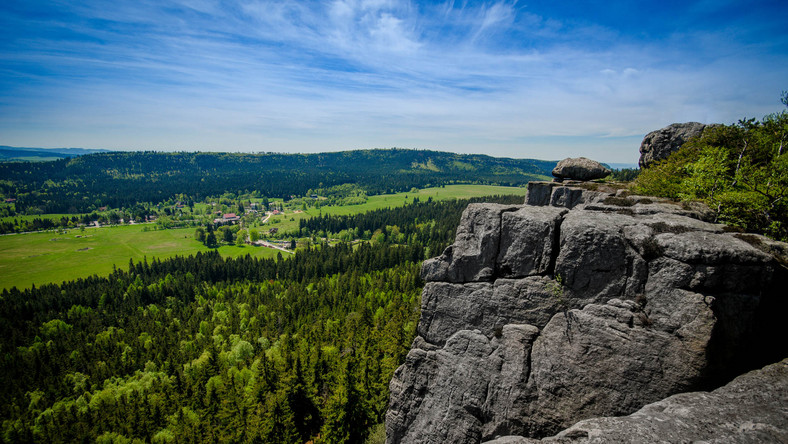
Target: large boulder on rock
[(659, 144), (538, 317), (580, 168)]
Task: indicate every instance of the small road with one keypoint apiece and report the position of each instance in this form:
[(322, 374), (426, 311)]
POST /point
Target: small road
[(270, 245)]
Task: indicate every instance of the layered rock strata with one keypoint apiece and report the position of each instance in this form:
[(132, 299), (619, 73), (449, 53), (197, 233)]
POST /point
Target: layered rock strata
[(592, 305)]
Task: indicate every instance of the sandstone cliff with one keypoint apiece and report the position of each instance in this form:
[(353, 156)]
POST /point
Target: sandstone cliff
[(582, 303)]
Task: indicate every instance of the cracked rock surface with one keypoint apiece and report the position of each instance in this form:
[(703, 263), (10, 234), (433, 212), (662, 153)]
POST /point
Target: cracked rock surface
[(560, 310), (753, 408)]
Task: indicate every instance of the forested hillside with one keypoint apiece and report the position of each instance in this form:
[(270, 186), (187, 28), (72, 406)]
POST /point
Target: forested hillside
[(122, 179), (19, 154), (209, 349)]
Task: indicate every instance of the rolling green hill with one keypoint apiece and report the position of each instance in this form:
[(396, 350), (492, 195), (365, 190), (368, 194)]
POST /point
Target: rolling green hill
[(19, 154), (120, 179)]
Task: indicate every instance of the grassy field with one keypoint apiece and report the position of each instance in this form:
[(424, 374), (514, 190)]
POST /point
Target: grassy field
[(39, 258), (284, 222), (30, 217)]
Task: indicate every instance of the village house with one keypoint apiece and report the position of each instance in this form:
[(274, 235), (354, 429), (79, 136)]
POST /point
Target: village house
[(229, 218)]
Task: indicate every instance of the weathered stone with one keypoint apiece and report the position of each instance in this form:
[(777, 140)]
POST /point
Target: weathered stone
[(538, 317), (607, 359), (570, 197), (437, 396), (527, 241), (580, 168), (566, 195), (446, 406), (659, 144), (752, 408), (539, 193), (709, 248), (487, 307), (472, 256), (448, 307), (635, 206), (595, 260), (508, 391), (513, 440)]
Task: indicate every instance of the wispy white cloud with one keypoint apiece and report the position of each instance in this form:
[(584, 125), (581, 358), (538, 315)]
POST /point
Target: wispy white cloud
[(493, 17), (496, 77)]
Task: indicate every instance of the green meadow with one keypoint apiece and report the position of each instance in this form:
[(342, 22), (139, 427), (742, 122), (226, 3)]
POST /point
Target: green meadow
[(46, 257), (284, 222), (30, 217), (40, 258)]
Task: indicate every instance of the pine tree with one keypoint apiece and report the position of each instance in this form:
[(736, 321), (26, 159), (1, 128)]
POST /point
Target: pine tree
[(210, 240), (347, 417)]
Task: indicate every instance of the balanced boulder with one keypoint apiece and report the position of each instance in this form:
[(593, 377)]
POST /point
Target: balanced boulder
[(580, 168)]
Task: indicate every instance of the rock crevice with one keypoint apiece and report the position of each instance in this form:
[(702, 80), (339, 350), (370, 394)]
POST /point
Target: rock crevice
[(581, 303)]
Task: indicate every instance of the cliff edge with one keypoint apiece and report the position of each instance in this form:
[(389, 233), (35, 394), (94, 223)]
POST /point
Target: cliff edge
[(584, 302)]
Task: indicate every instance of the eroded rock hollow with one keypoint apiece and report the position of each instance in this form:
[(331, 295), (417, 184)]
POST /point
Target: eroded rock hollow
[(582, 303)]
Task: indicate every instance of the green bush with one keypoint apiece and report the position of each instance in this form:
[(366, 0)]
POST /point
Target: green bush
[(739, 170)]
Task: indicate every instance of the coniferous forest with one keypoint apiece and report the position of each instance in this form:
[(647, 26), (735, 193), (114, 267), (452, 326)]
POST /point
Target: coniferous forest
[(212, 349)]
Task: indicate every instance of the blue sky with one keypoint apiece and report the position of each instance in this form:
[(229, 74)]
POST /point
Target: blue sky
[(545, 79)]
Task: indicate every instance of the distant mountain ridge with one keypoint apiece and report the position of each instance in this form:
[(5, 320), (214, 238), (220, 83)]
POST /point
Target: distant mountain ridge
[(120, 179), (14, 153)]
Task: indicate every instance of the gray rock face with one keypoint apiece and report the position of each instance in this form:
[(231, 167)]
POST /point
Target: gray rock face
[(580, 168), (521, 231), (753, 408), (540, 316), (659, 144), (559, 195), (472, 256)]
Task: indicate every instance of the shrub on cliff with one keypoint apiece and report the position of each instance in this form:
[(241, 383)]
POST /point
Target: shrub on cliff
[(739, 170)]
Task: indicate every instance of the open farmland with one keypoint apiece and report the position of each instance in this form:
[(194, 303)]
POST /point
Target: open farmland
[(51, 257)]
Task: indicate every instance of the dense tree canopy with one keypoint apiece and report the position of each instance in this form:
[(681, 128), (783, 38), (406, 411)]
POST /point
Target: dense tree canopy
[(212, 349)]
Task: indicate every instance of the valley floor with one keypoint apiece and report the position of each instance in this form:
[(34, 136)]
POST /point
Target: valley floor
[(52, 257)]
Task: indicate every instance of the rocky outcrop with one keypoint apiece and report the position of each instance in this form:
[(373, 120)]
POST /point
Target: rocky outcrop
[(580, 168), (659, 144), (753, 408), (540, 316)]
